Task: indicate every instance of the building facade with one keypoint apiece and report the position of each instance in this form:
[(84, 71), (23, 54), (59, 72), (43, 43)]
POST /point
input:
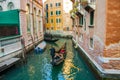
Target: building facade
[(55, 15), (96, 31), (21, 25), (67, 22)]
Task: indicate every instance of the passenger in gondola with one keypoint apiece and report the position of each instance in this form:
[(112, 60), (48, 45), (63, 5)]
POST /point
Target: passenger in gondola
[(52, 53), (62, 51)]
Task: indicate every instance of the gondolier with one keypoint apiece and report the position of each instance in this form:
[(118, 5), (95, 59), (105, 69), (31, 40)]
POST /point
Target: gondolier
[(52, 52)]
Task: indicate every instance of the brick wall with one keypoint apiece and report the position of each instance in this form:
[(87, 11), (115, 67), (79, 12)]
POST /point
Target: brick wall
[(112, 42), (113, 22)]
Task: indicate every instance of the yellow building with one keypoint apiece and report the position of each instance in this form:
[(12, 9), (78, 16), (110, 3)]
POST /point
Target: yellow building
[(54, 14)]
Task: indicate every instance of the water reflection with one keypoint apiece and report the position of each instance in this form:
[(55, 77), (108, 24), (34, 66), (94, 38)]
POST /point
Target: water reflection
[(69, 69), (38, 67), (46, 70), (56, 72)]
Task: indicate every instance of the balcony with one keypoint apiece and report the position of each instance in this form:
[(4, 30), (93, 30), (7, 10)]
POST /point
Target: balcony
[(80, 10), (89, 4), (72, 16)]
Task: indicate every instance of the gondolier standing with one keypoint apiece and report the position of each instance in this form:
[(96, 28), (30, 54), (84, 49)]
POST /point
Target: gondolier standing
[(52, 53)]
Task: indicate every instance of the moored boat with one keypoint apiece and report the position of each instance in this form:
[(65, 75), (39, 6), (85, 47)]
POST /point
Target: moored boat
[(51, 39), (40, 47)]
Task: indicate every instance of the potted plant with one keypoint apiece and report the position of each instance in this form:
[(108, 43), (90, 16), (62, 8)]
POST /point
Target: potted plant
[(84, 2)]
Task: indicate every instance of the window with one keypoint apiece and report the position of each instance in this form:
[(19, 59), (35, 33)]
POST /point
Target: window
[(51, 5), (46, 6), (81, 37), (6, 31), (46, 14), (28, 18), (81, 20), (1, 8), (11, 28), (58, 12), (91, 42), (10, 6), (58, 20), (51, 20), (40, 27), (35, 22), (92, 18), (58, 4), (51, 13), (47, 20)]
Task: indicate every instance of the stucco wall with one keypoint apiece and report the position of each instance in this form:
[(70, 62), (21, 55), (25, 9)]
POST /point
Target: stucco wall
[(113, 22), (100, 22), (112, 48)]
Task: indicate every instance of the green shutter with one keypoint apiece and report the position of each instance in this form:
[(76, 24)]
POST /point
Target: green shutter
[(92, 18)]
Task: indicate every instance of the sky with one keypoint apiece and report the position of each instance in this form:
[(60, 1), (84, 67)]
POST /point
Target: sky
[(67, 5)]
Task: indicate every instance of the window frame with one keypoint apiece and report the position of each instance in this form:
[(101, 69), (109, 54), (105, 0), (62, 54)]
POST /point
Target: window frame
[(91, 45)]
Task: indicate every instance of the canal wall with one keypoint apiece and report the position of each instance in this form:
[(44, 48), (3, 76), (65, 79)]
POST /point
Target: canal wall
[(20, 52), (100, 73)]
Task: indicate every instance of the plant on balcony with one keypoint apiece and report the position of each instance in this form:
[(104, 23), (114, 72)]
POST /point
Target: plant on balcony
[(84, 2), (75, 9)]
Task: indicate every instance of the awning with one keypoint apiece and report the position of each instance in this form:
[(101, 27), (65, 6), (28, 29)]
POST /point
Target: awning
[(9, 18)]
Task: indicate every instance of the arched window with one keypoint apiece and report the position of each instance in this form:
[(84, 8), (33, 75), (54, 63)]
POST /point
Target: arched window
[(28, 18), (35, 26), (1, 8), (10, 6), (40, 19)]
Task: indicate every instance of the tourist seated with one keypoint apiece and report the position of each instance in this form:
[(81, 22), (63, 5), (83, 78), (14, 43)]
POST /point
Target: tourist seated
[(62, 51), (57, 56)]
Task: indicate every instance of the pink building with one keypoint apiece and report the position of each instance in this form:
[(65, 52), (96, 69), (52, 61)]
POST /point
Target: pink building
[(96, 30), (21, 25)]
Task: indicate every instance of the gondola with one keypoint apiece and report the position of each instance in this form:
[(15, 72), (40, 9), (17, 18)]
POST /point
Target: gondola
[(51, 39), (59, 56)]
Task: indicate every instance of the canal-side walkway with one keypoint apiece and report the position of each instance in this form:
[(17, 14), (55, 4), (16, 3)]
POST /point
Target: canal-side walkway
[(103, 68)]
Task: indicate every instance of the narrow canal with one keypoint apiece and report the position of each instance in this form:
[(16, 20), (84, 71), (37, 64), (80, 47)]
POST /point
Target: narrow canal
[(38, 66)]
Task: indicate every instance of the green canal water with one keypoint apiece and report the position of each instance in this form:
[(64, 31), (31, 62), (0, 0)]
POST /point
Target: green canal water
[(38, 67)]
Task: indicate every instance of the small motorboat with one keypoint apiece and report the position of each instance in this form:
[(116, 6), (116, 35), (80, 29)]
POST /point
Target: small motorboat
[(59, 56), (40, 47)]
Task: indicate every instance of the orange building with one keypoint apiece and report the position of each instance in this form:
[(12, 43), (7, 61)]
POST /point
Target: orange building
[(54, 14)]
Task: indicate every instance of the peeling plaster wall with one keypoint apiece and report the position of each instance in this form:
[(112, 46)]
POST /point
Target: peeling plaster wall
[(112, 48)]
